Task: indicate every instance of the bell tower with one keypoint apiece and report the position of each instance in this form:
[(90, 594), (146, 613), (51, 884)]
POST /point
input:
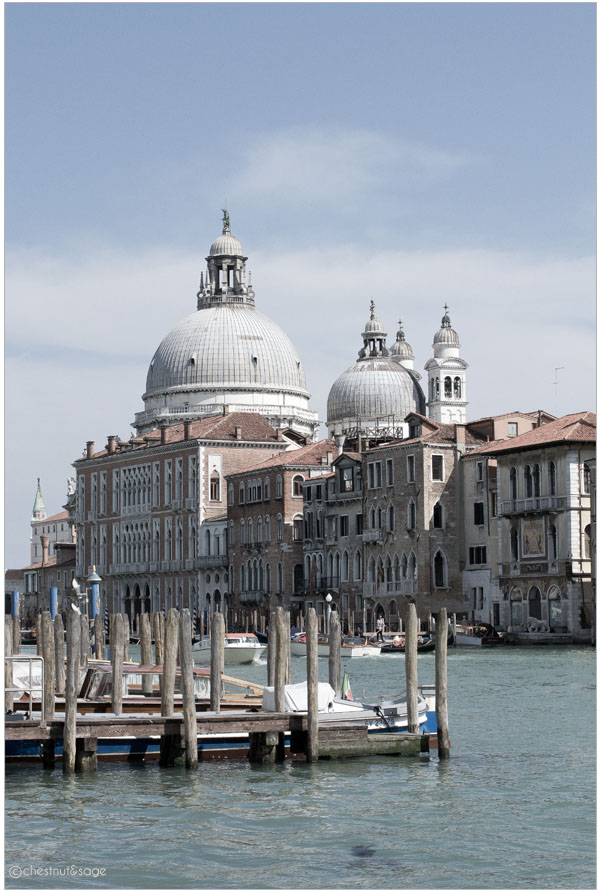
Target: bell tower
[(447, 386)]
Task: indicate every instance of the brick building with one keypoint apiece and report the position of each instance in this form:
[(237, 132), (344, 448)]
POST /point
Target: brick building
[(265, 528)]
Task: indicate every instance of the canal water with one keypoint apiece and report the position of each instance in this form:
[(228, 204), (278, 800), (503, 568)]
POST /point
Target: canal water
[(514, 807)]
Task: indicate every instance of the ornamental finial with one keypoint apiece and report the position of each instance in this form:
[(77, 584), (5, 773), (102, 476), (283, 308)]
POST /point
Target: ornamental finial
[(225, 222), (372, 310)]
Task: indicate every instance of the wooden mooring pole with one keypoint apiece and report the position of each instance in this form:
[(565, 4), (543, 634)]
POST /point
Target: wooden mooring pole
[(441, 678), (216, 660), (312, 685), (16, 632), (411, 668), (145, 635), (73, 649), (126, 637), (98, 634), (49, 694), (84, 654), (59, 654), (271, 655), (172, 753), (9, 697), (117, 652), (334, 653), (189, 710)]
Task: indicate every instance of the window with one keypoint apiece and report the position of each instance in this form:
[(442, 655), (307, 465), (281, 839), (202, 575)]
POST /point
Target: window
[(318, 493), (267, 529), (297, 487), (346, 479), (307, 493), (439, 570), (477, 555), (179, 479), (375, 474), (250, 531), (514, 544), (391, 518), (309, 525), (267, 489), (389, 472), (437, 467), (448, 388), (457, 388), (587, 479), (536, 480), (527, 481), (587, 540), (298, 529), (231, 494), (479, 471), (513, 482), (260, 530), (278, 486), (552, 478), (344, 526), (242, 532), (359, 524), (410, 468), (478, 513), (168, 483), (411, 515), (512, 428), (241, 493), (279, 527), (552, 543), (437, 519), (215, 486)]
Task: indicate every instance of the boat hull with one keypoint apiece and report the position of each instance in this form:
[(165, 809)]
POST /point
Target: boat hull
[(232, 655)]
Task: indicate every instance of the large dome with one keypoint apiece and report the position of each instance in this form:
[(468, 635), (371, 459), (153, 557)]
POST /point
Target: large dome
[(374, 388), (223, 348)]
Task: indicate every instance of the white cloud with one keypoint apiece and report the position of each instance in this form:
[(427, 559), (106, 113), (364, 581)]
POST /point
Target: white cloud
[(81, 333), (311, 165)]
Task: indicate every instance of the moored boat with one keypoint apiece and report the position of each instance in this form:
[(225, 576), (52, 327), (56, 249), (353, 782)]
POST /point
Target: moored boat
[(480, 635), (240, 648)]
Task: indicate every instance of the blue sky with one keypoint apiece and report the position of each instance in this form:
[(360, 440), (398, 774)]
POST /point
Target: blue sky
[(409, 153)]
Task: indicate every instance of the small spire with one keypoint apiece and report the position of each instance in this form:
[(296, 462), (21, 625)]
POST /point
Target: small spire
[(400, 332), (446, 321), (225, 222), (39, 508), (372, 310)]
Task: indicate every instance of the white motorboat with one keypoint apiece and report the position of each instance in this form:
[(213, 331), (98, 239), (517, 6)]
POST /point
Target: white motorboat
[(351, 647), (388, 716), (239, 648)]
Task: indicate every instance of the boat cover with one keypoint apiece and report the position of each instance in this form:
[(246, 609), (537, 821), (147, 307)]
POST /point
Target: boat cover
[(295, 698)]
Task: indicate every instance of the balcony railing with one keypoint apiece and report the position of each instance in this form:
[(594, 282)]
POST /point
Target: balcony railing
[(251, 596), (372, 535), (213, 561), (404, 586), (533, 505)]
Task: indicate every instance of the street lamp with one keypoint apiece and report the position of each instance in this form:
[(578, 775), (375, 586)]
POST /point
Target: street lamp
[(328, 611)]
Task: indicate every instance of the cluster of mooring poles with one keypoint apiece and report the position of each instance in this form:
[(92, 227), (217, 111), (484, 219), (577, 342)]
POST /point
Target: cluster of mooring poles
[(172, 638)]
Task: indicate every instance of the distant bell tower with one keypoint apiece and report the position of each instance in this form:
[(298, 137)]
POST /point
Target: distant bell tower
[(447, 389), (39, 508)]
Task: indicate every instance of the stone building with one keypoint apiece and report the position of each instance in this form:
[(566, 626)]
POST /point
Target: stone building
[(265, 528), (56, 571), (141, 505), (57, 527), (333, 541), (545, 544)]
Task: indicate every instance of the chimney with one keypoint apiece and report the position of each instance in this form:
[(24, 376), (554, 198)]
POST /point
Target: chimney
[(186, 426), (279, 434), (539, 418), (162, 434), (111, 447), (329, 457), (45, 540), (237, 433), (460, 433), (340, 438), (90, 449), (225, 409)]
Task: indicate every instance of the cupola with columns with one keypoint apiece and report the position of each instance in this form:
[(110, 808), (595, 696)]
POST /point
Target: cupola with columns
[(447, 391), (225, 280)]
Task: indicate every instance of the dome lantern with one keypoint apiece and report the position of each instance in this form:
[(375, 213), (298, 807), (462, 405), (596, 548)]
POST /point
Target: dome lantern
[(401, 351)]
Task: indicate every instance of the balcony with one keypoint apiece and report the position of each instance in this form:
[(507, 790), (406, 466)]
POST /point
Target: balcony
[(212, 561), (252, 596), (379, 589), (533, 505)]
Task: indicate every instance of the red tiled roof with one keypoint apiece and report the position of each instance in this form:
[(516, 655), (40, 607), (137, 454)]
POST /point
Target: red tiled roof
[(580, 427), (51, 561), (63, 515), (308, 456), (13, 574), (354, 455), (254, 428)]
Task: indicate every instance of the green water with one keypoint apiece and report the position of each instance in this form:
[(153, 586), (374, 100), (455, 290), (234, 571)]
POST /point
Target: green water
[(514, 807)]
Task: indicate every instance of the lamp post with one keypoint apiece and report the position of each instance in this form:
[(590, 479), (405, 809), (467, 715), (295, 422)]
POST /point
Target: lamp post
[(328, 611)]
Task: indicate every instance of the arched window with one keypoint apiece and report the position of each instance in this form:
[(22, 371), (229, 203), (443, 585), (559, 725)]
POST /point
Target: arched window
[(411, 515), (552, 542), (371, 570), (437, 387), (280, 578), (215, 486), (587, 479), (267, 489), (337, 568), (552, 478), (403, 567), (259, 530), (527, 481), (267, 529), (231, 534), (242, 532), (431, 389), (208, 542), (298, 528), (391, 518), (439, 570), (297, 487), (536, 480), (457, 388), (412, 567), (345, 567), (279, 527), (513, 482), (534, 604), (231, 494), (278, 486), (241, 493), (268, 579), (448, 388), (514, 544), (587, 541), (437, 520), (250, 531), (357, 566)]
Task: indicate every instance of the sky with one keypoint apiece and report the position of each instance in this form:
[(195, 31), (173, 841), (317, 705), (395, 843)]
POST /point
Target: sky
[(409, 153)]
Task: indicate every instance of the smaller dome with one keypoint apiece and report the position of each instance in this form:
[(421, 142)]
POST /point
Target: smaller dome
[(226, 245), (446, 335), (400, 348), (374, 325)]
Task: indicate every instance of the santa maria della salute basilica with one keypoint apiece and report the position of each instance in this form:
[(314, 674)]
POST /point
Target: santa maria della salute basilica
[(228, 498), (226, 353)]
